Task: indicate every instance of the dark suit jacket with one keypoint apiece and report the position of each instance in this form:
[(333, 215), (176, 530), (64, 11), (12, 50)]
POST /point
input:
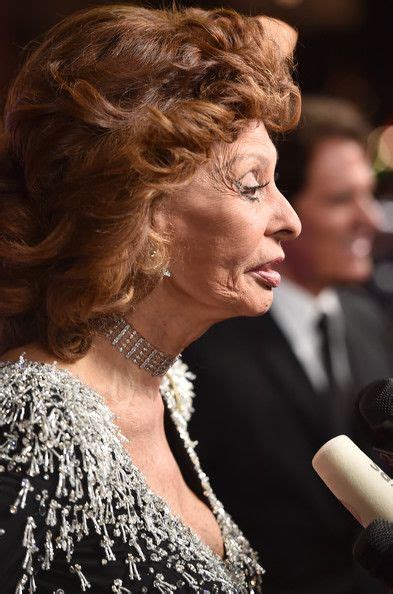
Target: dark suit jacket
[(259, 422)]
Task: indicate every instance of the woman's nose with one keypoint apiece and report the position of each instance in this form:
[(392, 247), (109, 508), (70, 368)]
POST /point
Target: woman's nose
[(285, 224)]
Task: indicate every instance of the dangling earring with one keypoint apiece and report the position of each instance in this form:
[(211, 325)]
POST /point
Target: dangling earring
[(166, 272)]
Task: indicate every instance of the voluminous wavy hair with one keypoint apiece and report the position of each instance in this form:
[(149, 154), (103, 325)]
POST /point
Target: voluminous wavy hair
[(112, 111)]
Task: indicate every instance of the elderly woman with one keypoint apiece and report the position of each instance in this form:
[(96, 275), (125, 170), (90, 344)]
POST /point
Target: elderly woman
[(138, 207)]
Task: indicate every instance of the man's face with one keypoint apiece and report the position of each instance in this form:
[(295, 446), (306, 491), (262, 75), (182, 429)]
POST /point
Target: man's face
[(339, 218)]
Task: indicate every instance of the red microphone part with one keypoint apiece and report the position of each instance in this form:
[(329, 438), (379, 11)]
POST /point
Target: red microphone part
[(385, 457)]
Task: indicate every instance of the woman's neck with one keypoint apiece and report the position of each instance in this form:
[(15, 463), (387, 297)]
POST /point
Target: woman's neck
[(126, 387), (163, 323), (166, 324)]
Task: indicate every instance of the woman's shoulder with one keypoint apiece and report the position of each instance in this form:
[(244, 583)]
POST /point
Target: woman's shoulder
[(43, 403), (50, 422), (26, 379), (62, 473), (37, 392)]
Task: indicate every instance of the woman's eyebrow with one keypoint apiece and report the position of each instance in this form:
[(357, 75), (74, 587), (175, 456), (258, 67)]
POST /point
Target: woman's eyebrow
[(222, 164), (258, 156)]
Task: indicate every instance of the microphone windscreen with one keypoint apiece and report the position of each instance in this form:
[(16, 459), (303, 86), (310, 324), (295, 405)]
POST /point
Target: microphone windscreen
[(374, 409), (373, 550)]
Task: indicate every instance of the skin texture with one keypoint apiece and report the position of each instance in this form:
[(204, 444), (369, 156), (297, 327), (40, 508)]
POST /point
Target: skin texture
[(219, 230), (339, 215)]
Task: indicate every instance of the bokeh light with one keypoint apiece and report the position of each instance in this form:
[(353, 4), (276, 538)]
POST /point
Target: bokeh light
[(380, 146)]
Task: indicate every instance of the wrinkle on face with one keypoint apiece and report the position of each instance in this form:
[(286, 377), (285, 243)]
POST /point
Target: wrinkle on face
[(219, 234), (221, 170)]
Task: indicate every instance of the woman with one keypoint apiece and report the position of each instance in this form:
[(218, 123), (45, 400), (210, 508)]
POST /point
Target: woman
[(138, 207)]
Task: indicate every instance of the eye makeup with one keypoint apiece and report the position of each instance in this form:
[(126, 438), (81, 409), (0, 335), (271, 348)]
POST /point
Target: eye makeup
[(223, 176), (250, 192)]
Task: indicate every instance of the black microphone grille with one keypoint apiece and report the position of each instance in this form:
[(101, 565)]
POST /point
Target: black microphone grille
[(374, 550), (385, 398), (376, 402)]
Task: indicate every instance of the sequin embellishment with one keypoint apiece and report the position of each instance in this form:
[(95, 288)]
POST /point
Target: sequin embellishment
[(55, 426)]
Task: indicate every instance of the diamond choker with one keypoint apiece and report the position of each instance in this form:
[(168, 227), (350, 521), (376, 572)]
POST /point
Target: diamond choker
[(133, 346)]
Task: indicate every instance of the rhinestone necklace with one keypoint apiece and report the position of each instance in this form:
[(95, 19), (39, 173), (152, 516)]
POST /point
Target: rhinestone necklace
[(133, 346)]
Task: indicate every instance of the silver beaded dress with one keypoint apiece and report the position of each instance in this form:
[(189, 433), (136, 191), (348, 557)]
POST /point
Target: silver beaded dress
[(76, 515)]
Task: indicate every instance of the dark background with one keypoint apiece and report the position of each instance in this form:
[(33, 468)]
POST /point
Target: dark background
[(345, 48)]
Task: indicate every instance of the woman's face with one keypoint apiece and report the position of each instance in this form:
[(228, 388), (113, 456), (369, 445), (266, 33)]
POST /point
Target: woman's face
[(227, 228)]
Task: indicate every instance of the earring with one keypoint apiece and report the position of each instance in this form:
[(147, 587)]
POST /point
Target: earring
[(166, 272)]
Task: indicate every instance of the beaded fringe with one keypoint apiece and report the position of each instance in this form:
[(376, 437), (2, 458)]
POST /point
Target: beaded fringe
[(56, 426)]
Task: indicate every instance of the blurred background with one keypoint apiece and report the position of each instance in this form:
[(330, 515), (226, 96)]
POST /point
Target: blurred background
[(344, 50)]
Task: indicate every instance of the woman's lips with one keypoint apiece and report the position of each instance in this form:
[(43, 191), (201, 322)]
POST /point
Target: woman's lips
[(272, 278), (267, 274)]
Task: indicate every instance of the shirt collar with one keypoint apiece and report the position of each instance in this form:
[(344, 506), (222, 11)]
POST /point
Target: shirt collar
[(294, 305)]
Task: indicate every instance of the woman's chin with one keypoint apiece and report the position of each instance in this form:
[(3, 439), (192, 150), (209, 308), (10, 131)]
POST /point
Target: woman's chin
[(256, 305)]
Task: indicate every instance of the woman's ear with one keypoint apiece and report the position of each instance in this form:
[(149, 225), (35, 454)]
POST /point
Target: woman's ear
[(161, 220)]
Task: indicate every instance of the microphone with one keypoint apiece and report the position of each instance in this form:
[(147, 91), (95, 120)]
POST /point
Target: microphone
[(361, 486), (367, 493), (374, 550), (374, 412)]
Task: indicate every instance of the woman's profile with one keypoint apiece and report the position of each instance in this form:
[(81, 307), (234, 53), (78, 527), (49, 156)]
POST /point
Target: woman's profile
[(137, 207)]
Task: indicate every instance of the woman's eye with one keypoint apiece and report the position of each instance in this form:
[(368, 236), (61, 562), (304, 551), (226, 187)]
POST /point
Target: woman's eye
[(249, 187)]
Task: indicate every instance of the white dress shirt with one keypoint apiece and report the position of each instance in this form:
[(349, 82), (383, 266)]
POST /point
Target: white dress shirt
[(297, 313)]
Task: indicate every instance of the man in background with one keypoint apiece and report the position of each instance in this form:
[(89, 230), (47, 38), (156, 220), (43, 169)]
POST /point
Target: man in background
[(271, 390)]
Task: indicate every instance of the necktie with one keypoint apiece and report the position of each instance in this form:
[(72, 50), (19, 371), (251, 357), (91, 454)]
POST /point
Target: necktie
[(333, 351), (326, 352)]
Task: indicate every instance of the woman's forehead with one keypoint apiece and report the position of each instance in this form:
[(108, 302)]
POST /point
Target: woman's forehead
[(253, 144)]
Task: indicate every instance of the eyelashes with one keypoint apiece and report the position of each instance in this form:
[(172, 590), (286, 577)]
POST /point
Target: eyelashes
[(250, 192), (248, 186)]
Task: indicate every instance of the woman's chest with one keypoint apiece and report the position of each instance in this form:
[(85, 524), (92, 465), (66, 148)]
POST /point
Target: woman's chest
[(164, 477)]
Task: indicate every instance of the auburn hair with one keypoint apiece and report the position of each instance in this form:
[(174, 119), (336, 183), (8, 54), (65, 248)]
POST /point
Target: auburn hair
[(112, 111)]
